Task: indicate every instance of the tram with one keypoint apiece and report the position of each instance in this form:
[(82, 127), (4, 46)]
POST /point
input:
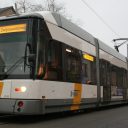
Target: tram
[(48, 64)]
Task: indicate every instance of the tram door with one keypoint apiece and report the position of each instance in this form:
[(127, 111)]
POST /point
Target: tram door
[(105, 79)]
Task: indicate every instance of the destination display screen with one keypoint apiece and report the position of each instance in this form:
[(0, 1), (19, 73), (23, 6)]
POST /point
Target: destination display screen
[(12, 28), (88, 57)]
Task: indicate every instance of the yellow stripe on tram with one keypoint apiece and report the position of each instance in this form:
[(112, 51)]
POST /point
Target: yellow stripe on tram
[(77, 96), (1, 87)]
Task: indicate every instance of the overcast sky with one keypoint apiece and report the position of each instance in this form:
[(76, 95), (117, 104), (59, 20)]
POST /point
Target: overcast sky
[(113, 12)]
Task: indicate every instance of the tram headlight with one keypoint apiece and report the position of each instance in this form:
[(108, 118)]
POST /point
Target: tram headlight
[(23, 89)]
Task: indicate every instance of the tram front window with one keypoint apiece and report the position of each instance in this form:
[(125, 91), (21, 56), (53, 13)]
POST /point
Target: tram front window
[(13, 40)]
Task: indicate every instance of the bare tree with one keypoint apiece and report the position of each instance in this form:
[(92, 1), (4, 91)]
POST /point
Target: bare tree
[(36, 7), (53, 6), (24, 6)]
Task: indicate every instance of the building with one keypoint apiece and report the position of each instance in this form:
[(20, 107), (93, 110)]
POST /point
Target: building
[(7, 11)]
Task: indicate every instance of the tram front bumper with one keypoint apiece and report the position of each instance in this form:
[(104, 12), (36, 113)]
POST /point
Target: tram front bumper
[(21, 107)]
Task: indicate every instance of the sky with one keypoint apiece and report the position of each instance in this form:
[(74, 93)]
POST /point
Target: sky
[(113, 12)]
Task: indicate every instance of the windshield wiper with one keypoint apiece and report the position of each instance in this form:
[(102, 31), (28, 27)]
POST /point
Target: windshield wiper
[(14, 65), (30, 58)]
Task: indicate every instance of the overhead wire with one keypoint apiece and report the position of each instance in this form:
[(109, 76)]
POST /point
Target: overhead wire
[(110, 28)]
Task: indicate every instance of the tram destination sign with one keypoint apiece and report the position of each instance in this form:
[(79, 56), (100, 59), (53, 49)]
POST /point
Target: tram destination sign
[(88, 57), (12, 28)]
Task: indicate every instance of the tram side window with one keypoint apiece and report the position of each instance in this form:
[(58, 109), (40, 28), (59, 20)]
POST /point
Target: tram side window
[(120, 77), (105, 71), (125, 78), (73, 65), (88, 69), (117, 76), (113, 76), (54, 64), (120, 81)]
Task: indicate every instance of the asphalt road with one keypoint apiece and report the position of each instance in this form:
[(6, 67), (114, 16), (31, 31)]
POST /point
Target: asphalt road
[(108, 118)]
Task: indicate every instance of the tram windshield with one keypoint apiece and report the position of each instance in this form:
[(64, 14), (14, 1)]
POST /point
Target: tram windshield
[(13, 40)]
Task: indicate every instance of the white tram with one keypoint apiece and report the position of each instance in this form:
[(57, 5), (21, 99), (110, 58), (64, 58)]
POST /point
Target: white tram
[(48, 64)]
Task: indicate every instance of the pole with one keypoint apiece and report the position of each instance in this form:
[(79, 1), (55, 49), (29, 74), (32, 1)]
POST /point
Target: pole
[(127, 51), (16, 9), (98, 73), (127, 74)]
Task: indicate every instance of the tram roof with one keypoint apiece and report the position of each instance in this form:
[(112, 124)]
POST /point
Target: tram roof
[(62, 22)]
